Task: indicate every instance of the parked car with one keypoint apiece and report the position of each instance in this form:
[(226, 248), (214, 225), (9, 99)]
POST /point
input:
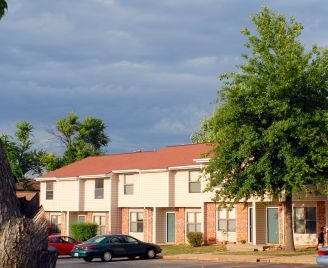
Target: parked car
[(111, 246), (63, 244), (322, 257)]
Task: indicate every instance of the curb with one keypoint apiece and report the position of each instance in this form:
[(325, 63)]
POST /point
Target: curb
[(302, 259)]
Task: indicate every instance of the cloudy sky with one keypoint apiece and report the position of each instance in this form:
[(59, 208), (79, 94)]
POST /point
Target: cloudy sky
[(148, 68)]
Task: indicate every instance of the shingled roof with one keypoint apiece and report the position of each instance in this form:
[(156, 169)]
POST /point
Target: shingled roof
[(166, 157)]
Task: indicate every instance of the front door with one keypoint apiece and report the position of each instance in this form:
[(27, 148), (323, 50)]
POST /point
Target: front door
[(170, 227), (272, 226)]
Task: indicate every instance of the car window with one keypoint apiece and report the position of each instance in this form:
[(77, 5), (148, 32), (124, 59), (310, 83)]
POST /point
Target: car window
[(115, 240), (131, 240), (97, 239)]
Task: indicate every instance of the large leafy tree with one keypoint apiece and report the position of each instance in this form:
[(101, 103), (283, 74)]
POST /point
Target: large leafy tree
[(270, 128), (25, 161), (80, 138)]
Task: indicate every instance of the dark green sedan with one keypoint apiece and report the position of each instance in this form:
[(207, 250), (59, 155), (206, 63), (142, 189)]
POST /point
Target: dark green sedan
[(111, 246)]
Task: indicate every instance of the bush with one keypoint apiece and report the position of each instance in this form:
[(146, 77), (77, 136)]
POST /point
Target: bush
[(84, 231), (195, 239)]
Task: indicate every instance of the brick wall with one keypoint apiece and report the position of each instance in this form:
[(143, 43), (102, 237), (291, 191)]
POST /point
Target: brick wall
[(180, 225), (148, 225), (125, 220), (241, 222), (321, 215), (210, 223)]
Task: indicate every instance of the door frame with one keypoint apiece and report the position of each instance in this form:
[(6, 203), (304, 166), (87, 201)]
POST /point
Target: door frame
[(167, 227), (268, 229)]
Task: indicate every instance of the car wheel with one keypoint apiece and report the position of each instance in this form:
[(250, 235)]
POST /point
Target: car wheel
[(151, 253), (87, 259), (107, 256)]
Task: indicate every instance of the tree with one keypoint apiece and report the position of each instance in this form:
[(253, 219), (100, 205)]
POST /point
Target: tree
[(23, 239), (269, 130), (3, 8), (24, 160), (81, 139)]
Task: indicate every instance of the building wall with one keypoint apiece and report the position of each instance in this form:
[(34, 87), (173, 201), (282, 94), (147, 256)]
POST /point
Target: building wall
[(241, 222), (89, 201), (180, 227), (210, 223), (65, 196)]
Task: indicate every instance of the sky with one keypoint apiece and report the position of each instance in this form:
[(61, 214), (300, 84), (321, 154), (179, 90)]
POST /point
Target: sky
[(148, 68)]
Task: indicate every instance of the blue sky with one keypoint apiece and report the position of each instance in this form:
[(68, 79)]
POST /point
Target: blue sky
[(148, 68)]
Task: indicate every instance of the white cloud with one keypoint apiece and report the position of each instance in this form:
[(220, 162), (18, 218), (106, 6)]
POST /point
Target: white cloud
[(198, 62)]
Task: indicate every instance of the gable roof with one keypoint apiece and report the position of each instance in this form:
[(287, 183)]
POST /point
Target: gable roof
[(166, 157)]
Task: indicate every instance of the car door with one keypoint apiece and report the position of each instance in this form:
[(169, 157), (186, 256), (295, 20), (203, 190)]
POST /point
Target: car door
[(117, 246), (133, 247)]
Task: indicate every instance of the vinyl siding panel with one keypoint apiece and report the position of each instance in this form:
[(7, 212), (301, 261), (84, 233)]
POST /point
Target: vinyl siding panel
[(129, 200), (260, 224), (65, 196), (154, 189), (89, 201), (68, 195), (182, 196)]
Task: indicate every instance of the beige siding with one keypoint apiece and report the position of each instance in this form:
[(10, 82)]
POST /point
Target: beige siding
[(129, 200), (260, 224), (182, 196), (65, 196), (161, 226), (115, 212), (154, 189), (89, 201)]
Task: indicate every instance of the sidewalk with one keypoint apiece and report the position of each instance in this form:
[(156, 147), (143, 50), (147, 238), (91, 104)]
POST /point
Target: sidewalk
[(244, 253)]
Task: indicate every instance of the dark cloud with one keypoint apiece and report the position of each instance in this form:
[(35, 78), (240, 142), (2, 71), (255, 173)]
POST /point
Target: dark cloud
[(148, 68)]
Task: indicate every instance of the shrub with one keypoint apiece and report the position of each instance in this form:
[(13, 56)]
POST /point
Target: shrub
[(84, 231), (195, 239)]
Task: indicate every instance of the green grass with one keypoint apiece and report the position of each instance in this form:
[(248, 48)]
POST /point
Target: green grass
[(222, 249), (187, 249)]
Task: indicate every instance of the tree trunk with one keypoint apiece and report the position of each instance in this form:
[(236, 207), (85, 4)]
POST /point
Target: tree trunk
[(23, 241), (289, 223)]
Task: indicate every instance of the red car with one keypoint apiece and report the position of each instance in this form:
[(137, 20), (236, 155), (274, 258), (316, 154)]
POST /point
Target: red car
[(63, 244)]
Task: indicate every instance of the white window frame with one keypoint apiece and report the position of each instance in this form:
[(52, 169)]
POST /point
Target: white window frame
[(49, 190), (99, 188), (136, 221), (194, 182), (128, 185)]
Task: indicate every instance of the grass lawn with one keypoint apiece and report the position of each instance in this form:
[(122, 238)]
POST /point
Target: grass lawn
[(222, 249)]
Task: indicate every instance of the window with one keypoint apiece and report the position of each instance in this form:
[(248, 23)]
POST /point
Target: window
[(55, 221), (194, 182), (193, 222), (81, 218), (128, 184), (99, 188), (101, 222), (136, 222), (227, 219), (49, 190), (305, 220)]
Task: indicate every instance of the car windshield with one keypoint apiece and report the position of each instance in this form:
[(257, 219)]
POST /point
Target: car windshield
[(96, 239)]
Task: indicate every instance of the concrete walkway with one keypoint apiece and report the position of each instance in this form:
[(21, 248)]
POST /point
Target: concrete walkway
[(244, 253)]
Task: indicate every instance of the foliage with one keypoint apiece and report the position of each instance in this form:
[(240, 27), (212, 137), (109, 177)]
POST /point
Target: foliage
[(269, 131), (3, 8), (84, 231), (81, 139), (24, 160), (195, 239)]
